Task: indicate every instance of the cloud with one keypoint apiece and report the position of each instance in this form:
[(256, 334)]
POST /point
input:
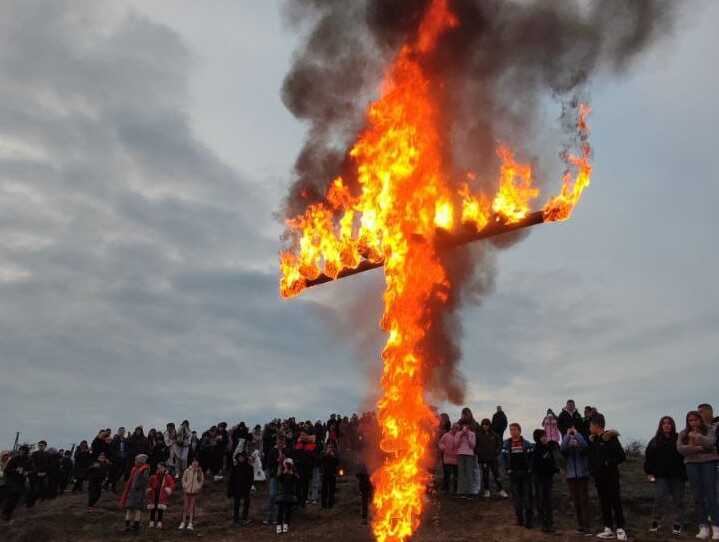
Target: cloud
[(135, 266)]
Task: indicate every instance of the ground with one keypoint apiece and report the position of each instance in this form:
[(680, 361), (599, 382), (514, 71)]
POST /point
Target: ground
[(446, 519)]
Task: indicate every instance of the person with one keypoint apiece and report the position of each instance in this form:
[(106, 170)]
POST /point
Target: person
[(273, 464), (137, 445), (119, 449), (605, 454), (574, 448), (445, 424), (465, 441), (239, 487), (697, 444), (305, 457), (96, 475), (133, 496), (570, 417), (551, 427), (664, 466), (488, 449), (66, 468), (161, 487), (329, 466), (220, 450), (499, 423), (192, 481), (38, 475), (366, 489), (286, 495), (707, 413), (545, 464), (83, 459), (101, 444), (15, 473), (448, 449), (517, 456)]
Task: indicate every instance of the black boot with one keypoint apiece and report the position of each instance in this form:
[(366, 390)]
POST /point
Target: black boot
[(136, 526)]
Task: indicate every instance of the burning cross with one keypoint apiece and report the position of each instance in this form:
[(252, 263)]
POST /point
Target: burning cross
[(400, 212)]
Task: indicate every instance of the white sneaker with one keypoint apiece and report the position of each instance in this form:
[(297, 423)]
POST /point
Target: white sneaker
[(504, 494), (285, 527), (606, 534), (704, 533), (159, 525), (151, 524), (486, 494), (190, 527), (182, 525), (621, 534), (715, 532), (279, 529)]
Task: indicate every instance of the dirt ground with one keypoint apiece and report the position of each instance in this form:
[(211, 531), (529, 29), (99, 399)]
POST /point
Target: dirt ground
[(446, 519)]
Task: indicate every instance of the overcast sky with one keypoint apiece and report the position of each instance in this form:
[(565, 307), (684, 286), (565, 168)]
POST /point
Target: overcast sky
[(143, 151)]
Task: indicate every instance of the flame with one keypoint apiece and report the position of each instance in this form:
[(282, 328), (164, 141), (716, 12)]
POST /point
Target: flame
[(403, 197), (560, 207)]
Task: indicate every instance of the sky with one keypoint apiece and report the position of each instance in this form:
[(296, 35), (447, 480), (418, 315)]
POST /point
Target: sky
[(144, 154)]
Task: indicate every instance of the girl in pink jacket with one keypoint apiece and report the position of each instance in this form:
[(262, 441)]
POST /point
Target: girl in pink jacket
[(448, 448), (465, 441)]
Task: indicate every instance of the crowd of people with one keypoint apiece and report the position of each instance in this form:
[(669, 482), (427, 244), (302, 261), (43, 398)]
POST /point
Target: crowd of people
[(299, 462)]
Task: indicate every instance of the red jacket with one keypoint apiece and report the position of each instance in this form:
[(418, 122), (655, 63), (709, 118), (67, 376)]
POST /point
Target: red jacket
[(164, 484)]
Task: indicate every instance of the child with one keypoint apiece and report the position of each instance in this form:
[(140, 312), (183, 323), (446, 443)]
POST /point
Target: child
[(133, 497), (364, 483), (489, 446), (465, 441), (574, 448), (96, 474), (697, 443), (544, 467), (286, 495), (605, 455), (242, 476), (664, 467), (517, 456), (329, 477), (448, 449), (192, 481), (162, 484)]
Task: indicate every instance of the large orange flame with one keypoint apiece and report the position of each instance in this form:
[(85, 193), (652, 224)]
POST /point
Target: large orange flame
[(404, 199)]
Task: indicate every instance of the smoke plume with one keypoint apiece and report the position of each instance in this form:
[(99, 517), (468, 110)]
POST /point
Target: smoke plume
[(494, 74)]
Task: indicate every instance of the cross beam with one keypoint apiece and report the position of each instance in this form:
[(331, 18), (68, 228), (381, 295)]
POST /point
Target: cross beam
[(445, 240)]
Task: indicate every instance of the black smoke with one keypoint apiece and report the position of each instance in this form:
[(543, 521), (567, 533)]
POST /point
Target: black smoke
[(493, 74)]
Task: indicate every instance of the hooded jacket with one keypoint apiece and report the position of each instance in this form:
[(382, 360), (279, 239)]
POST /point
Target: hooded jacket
[(568, 419), (489, 446), (161, 487), (192, 481), (133, 497), (605, 453), (448, 447), (242, 476)]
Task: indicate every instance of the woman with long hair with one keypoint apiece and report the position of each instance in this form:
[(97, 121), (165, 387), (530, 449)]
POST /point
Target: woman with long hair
[(665, 468), (465, 441), (697, 443), (551, 427)]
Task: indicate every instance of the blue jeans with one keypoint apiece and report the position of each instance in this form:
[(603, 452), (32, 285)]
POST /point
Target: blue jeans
[(664, 489), (271, 511), (703, 479)]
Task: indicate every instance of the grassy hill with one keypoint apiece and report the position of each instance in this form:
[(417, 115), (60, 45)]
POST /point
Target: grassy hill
[(446, 519)]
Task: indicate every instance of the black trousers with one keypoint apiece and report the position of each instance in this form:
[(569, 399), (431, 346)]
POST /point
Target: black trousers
[(94, 490), (522, 496), (303, 489), (449, 479), (487, 467), (543, 494), (245, 500), (38, 489), (156, 514), (13, 494), (284, 511), (329, 485), (610, 498), (366, 499)]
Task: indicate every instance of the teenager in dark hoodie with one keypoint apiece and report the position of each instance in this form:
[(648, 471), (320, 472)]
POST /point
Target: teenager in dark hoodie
[(488, 448), (366, 489), (545, 464), (329, 465), (517, 456), (239, 487), (96, 475), (605, 455), (664, 466)]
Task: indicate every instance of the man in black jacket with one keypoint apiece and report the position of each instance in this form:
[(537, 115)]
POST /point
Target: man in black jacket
[(15, 473), (605, 454), (239, 487), (499, 423), (570, 417), (545, 464)]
